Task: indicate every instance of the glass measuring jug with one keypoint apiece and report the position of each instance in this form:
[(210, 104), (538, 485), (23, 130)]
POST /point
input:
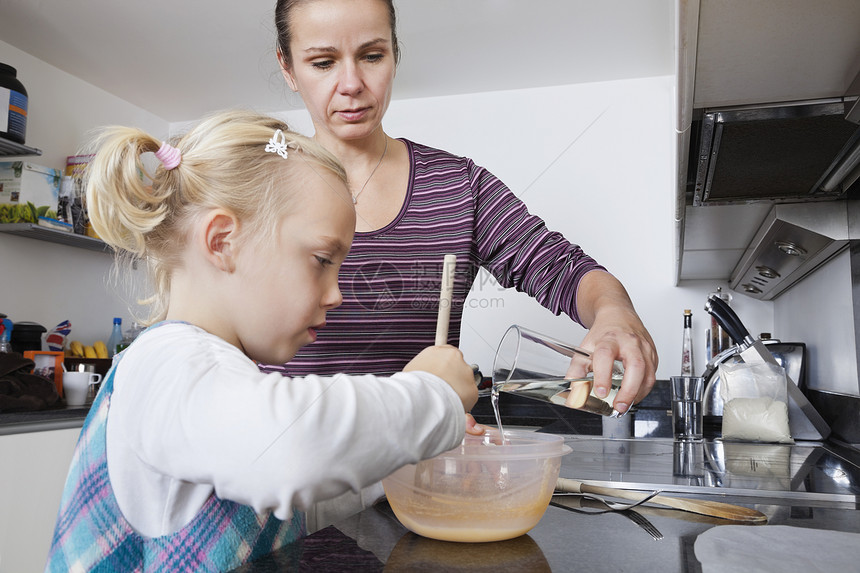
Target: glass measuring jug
[(534, 365)]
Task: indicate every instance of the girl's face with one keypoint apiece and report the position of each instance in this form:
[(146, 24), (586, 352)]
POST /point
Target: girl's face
[(343, 64), (288, 284)]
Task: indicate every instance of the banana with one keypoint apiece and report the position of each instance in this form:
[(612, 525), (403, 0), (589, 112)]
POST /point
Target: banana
[(76, 348), (100, 348), (90, 352)]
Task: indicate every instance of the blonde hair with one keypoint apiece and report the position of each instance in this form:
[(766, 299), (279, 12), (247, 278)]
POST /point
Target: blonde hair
[(224, 165)]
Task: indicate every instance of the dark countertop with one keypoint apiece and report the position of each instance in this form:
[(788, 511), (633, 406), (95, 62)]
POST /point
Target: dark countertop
[(54, 418), (563, 540), (806, 486), (43, 420), (812, 488)]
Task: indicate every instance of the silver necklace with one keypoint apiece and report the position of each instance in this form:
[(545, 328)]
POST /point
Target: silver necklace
[(381, 157)]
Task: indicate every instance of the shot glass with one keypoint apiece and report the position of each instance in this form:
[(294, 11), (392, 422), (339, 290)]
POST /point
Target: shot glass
[(688, 462), (687, 407)]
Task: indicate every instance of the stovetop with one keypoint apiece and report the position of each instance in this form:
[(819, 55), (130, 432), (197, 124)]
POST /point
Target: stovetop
[(813, 471)]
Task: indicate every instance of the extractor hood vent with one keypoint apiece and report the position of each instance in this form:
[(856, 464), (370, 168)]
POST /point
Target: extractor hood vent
[(780, 152), (793, 241)]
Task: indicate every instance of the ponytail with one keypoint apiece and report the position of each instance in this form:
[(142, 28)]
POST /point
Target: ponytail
[(122, 205)]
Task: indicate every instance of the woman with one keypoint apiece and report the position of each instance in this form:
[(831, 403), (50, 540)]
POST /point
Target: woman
[(414, 204)]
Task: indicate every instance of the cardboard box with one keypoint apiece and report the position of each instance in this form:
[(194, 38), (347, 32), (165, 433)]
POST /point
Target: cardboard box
[(28, 191)]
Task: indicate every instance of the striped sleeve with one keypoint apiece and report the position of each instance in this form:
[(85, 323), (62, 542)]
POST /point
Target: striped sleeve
[(519, 250)]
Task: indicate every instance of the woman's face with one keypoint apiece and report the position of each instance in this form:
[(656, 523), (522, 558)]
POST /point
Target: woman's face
[(343, 64)]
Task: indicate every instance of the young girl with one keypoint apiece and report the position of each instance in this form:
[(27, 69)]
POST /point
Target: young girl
[(191, 458)]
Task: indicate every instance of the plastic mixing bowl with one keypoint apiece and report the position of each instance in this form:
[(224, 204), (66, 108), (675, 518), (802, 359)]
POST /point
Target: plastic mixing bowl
[(479, 491)]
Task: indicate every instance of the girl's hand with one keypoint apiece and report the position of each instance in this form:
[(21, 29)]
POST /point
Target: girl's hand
[(447, 363), (473, 427)]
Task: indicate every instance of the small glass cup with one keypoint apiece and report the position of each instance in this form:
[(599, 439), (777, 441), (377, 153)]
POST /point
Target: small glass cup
[(688, 462), (687, 394)]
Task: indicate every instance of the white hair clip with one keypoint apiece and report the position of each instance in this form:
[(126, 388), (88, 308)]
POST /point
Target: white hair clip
[(278, 144)]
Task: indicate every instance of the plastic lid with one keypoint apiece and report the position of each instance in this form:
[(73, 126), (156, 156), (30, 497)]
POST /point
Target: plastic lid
[(520, 444), (117, 320), (29, 327)]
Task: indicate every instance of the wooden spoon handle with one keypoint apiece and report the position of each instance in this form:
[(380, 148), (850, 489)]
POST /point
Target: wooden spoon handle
[(445, 295), (711, 508)]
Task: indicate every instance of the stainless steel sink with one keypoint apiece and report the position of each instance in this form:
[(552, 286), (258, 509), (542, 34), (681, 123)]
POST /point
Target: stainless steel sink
[(820, 474)]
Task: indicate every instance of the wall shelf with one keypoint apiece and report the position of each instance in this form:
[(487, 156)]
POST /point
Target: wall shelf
[(34, 231), (31, 230), (10, 148)]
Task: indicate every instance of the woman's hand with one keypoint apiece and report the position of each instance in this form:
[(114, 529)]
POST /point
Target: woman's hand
[(616, 333)]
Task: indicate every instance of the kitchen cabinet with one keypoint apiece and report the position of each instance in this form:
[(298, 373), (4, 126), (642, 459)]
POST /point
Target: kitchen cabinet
[(32, 476)]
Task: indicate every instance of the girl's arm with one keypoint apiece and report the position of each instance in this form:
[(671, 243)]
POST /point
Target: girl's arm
[(196, 410)]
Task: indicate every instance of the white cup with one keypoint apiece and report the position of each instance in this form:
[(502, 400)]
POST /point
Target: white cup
[(76, 385)]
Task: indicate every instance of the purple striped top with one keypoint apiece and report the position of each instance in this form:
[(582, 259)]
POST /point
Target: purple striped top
[(391, 279)]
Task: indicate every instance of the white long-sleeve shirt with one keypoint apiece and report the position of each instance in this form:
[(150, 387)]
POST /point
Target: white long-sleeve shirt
[(191, 415)]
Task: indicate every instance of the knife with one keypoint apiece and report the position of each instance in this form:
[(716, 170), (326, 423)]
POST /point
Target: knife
[(804, 420), (703, 507)]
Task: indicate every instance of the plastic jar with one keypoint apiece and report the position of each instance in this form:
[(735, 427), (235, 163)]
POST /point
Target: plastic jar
[(27, 336), (13, 105)]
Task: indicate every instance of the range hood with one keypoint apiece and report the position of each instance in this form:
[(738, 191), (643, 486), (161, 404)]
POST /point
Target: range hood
[(793, 241), (798, 151)]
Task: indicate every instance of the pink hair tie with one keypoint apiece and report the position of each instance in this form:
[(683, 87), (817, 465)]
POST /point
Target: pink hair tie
[(168, 155)]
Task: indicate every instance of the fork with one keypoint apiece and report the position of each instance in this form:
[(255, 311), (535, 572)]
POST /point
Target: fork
[(642, 522), (611, 505), (630, 514)]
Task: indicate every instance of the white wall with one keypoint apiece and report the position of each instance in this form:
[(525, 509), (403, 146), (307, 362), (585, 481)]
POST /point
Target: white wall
[(46, 282), (820, 312), (596, 161)]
